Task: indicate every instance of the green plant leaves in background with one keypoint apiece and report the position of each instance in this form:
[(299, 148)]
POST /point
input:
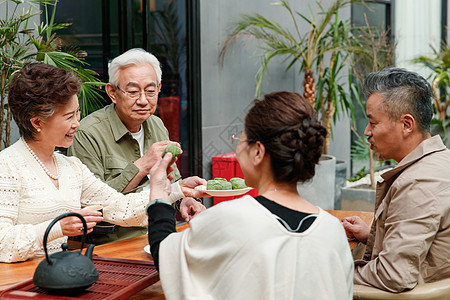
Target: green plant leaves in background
[(21, 44)]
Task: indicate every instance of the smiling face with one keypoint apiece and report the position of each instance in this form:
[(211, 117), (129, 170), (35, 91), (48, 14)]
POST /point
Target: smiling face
[(132, 79), (384, 135), (59, 129)]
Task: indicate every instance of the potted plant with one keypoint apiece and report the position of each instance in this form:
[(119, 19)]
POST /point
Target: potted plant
[(326, 35), (320, 51), (20, 45), (377, 53)]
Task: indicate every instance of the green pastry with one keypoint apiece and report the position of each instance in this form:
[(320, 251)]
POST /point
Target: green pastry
[(225, 185), (172, 148), (218, 185), (213, 185), (237, 183)]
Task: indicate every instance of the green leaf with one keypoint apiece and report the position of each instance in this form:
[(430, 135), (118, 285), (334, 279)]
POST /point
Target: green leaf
[(359, 175), (20, 45), (360, 151)]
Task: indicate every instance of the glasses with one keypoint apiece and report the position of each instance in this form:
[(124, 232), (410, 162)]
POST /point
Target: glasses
[(134, 95), (235, 139)]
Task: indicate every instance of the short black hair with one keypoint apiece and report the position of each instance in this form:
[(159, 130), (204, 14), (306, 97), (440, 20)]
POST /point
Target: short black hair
[(402, 92)]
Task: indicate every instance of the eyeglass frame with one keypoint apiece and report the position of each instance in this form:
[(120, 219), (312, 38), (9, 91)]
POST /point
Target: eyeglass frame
[(234, 138), (126, 93)]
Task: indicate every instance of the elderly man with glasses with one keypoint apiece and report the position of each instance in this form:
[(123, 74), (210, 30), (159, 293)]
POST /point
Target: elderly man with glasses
[(121, 142)]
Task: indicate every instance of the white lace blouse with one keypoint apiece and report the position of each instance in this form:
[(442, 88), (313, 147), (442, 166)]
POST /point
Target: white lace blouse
[(29, 201)]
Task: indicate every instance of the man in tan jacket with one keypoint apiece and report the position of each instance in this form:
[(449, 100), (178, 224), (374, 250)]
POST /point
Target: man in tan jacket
[(409, 241)]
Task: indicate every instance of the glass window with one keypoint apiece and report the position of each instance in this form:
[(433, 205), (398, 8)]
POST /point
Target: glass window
[(104, 29), (376, 15)]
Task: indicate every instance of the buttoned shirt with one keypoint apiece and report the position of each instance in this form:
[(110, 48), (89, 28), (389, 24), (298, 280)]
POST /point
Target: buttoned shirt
[(409, 242), (106, 147)]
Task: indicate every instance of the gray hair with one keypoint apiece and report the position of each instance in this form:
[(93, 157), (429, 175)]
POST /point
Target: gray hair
[(402, 92), (136, 56)]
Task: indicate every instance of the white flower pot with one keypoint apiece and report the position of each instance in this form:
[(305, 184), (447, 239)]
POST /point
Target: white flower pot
[(320, 190), (359, 198)]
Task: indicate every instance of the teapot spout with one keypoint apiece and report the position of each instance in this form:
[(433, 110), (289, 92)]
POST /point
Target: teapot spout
[(89, 251)]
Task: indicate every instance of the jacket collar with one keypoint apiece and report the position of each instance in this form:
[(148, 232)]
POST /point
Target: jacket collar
[(118, 128), (428, 146)]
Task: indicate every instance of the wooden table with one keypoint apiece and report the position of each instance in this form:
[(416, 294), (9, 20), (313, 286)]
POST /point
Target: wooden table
[(133, 248), (13, 273), (366, 216)]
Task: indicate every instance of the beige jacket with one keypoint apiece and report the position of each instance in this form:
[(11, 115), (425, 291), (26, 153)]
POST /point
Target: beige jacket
[(409, 242)]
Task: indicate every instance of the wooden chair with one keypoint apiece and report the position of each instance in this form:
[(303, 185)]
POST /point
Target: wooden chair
[(438, 290)]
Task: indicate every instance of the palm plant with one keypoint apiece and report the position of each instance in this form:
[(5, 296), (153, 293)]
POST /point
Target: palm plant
[(332, 97), (20, 45), (326, 35), (319, 40), (439, 63)]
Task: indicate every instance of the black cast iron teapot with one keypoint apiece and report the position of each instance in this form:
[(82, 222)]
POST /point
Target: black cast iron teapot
[(66, 272)]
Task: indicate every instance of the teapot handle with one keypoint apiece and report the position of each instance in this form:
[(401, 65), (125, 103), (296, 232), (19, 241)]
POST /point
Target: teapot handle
[(47, 231)]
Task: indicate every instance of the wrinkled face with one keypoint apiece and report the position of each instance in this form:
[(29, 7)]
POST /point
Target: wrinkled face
[(384, 135), (135, 79), (59, 129)]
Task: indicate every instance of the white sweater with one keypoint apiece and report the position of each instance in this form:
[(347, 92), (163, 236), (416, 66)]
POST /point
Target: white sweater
[(29, 201), (239, 250)]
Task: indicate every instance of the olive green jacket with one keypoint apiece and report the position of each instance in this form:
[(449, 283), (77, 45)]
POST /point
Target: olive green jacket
[(106, 147)]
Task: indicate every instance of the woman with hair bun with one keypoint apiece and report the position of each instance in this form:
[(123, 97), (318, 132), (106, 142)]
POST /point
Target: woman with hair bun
[(274, 246)]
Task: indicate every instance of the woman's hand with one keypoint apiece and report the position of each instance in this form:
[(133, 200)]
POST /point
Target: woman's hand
[(188, 184), (159, 182), (190, 207), (72, 226)]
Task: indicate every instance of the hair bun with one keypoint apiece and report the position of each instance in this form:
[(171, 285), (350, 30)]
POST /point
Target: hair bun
[(311, 136), (287, 125)]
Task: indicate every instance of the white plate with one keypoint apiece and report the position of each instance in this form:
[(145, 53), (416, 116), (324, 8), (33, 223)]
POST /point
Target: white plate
[(223, 193), (147, 249)]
